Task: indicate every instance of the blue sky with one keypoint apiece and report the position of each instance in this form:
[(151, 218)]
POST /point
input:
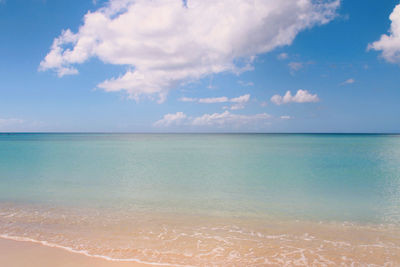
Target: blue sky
[(161, 66)]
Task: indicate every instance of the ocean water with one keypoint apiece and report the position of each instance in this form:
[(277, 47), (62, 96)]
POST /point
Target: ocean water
[(206, 199)]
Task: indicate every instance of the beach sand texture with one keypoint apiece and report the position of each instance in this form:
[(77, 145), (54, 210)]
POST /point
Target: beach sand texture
[(20, 253)]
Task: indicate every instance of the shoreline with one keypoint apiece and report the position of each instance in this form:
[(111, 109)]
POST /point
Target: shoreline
[(320, 246), (29, 252)]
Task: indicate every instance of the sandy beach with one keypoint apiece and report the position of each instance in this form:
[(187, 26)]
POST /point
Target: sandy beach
[(21, 253)]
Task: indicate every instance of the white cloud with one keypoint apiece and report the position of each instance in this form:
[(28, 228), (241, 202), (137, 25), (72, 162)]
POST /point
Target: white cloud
[(219, 120), (237, 107), (228, 119), (348, 81), (389, 44), (187, 99), (238, 102), (302, 96), (283, 56), (241, 99), (285, 117), (171, 119), (212, 100), (165, 43)]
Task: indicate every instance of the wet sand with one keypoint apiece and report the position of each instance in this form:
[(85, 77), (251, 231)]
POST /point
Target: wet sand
[(21, 253)]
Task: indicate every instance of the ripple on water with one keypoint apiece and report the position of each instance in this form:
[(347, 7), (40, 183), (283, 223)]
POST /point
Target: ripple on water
[(171, 239)]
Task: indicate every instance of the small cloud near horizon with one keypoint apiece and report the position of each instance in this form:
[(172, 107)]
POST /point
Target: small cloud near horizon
[(302, 96), (237, 102), (220, 120)]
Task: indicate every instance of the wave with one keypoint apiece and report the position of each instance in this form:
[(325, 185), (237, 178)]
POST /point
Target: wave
[(85, 252), (162, 240)]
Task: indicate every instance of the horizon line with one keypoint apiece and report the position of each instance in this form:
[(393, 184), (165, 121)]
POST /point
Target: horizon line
[(100, 132)]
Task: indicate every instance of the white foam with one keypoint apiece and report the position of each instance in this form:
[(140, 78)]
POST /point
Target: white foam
[(85, 252)]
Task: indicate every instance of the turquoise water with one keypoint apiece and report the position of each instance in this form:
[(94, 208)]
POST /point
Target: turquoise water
[(301, 176), (206, 199)]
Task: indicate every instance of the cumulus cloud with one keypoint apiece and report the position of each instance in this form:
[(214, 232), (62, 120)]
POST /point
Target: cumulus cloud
[(227, 118), (219, 120), (171, 119), (302, 96), (238, 102), (285, 117), (165, 43), (389, 44)]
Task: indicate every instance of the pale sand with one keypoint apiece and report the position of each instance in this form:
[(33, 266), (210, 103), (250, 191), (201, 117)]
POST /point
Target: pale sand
[(21, 254)]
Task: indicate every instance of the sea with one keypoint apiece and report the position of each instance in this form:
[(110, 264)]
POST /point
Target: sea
[(206, 199)]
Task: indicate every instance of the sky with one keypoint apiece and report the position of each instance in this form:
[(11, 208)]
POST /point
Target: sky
[(200, 66)]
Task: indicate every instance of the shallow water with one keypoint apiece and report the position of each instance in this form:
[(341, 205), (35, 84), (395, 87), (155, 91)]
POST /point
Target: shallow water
[(206, 199)]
